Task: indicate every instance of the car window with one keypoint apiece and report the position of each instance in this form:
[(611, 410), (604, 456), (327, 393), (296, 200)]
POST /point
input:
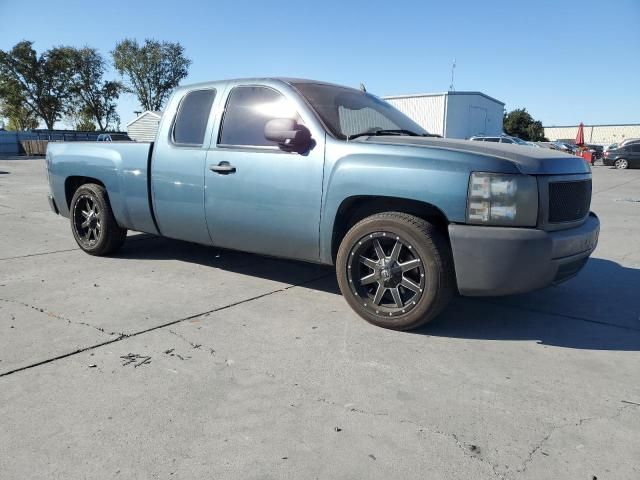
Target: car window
[(248, 110), (193, 115), (506, 140), (635, 147), (491, 139)]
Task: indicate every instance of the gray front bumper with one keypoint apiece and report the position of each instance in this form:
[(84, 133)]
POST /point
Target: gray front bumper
[(502, 261)]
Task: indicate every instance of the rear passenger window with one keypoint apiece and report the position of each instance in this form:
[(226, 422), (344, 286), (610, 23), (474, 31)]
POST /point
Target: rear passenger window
[(192, 118), (248, 111), (489, 139)]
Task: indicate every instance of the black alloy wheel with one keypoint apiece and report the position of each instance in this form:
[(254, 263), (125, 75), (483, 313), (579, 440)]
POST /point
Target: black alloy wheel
[(395, 270), (87, 218), (92, 221), (385, 271)]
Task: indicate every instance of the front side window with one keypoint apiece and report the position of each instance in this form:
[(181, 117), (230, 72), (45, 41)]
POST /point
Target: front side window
[(248, 110), (492, 139), (506, 140), (347, 111), (193, 115)]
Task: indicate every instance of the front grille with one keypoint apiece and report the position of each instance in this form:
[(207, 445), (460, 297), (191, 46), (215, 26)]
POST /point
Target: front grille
[(569, 201)]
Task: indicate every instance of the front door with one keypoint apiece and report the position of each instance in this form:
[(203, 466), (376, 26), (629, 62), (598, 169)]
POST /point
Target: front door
[(259, 198)]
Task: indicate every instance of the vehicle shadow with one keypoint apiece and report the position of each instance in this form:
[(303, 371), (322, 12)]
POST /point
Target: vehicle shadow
[(598, 310), (591, 311)]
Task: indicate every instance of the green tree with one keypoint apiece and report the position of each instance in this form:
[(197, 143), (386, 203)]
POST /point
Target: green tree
[(42, 81), (519, 123), (152, 70), (19, 117), (93, 96), (80, 118)]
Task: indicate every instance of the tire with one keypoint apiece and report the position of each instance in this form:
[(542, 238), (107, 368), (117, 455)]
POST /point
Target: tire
[(92, 222), (420, 270), (621, 164)]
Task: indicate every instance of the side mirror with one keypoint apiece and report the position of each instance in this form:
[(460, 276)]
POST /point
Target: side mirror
[(288, 134)]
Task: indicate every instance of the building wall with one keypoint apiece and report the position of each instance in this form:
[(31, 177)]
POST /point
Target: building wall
[(472, 114), (144, 128), (357, 121), (596, 134), (453, 114), (426, 110)]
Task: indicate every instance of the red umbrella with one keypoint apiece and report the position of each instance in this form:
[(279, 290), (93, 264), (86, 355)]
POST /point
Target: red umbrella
[(580, 135)]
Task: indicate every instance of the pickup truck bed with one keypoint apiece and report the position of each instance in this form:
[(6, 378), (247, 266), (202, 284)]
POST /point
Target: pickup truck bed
[(123, 169)]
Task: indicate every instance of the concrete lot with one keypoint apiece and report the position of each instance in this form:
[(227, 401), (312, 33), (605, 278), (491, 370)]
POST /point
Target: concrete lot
[(172, 360)]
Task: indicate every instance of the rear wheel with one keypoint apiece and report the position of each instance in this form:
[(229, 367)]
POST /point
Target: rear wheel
[(395, 270), (92, 222), (621, 164)]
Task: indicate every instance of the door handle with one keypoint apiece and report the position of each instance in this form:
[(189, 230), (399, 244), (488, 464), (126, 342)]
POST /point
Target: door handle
[(223, 168)]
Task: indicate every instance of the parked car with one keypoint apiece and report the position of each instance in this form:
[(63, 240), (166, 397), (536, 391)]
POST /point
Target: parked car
[(623, 157), (628, 141), (565, 147), (498, 139), (597, 151), (333, 175), (113, 137)]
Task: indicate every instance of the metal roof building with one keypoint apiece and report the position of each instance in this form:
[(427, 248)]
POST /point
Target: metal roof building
[(596, 134), (453, 114), (144, 127)]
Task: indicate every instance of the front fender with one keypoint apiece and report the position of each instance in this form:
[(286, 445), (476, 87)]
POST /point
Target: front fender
[(436, 182)]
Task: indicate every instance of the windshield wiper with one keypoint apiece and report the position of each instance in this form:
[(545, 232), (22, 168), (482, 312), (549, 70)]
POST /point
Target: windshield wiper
[(398, 131)]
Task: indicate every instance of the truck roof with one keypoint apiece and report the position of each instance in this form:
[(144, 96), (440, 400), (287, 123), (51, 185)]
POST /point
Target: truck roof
[(288, 80)]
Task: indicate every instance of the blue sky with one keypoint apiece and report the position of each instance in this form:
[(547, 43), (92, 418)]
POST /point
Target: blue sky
[(566, 61)]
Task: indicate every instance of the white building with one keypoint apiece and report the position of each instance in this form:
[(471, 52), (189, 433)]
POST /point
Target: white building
[(453, 114), (144, 127), (596, 134)]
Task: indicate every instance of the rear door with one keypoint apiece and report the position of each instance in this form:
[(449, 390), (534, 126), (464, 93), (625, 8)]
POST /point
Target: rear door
[(634, 155), (178, 165), (263, 200)]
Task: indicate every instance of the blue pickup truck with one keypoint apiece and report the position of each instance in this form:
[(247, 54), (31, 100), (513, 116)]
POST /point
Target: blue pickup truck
[(322, 173)]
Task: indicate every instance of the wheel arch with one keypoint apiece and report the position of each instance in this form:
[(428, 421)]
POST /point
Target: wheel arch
[(72, 183), (619, 159), (355, 208)]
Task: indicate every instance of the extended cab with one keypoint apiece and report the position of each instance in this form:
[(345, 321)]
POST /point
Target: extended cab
[(328, 174)]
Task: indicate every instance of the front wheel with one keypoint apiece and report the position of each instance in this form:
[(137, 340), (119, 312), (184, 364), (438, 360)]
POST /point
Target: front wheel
[(395, 270), (92, 222), (621, 164)]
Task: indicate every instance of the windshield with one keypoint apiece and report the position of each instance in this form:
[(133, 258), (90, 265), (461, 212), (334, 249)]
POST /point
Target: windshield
[(347, 112)]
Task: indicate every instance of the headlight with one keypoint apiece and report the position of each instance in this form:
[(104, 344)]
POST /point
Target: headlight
[(502, 199)]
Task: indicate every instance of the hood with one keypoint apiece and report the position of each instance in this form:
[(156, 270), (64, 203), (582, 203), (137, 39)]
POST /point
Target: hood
[(529, 160)]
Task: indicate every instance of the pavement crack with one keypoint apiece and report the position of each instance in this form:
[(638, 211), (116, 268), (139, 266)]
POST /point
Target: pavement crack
[(195, 346), (469, 450), (129, 240), (60, 317), (554, 428), (161, 326)]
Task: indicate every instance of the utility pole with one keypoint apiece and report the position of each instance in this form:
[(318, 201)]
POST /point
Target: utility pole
[(453, 70)]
